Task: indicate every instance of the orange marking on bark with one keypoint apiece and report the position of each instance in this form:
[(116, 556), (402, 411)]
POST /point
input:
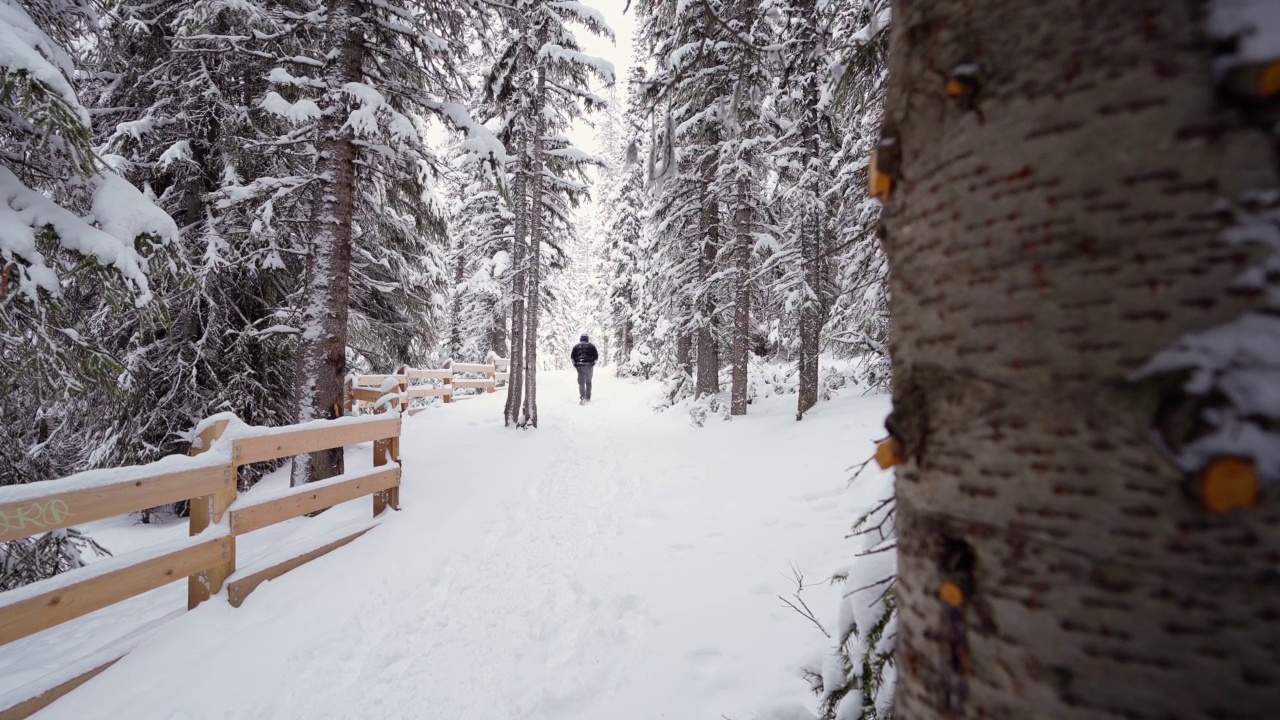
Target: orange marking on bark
[(1269, 80), (889, 453), (880, 184), (951, 594), (1229, 483)]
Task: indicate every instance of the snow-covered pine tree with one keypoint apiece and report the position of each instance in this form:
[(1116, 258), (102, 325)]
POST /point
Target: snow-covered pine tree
[(182, 93), (858, 326), (748, 129), (69, 245), (480, 238), (539, 83), (624, 205), (680, 100), (802, 157), (710, 90), (381, 67)]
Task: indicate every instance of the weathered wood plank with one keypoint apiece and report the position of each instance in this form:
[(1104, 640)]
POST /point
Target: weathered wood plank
[(44, 604), (59, 510), (370, 395), (309, 498), (30, 707), (300, 442), (375, 381), (422, 392), (207, 510), (241, 587), (430, 374)]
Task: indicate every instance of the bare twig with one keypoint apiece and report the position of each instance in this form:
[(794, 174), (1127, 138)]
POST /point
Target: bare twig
[(799, 605)]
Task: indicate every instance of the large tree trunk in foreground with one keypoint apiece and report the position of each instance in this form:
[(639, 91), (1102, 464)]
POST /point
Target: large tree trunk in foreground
[(1048, 236), (322, 358)]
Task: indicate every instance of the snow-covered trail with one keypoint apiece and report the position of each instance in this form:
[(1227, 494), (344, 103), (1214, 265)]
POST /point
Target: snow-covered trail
[(613, 563)]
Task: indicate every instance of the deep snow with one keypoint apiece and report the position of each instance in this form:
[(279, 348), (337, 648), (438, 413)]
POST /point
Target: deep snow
[(614, 563)]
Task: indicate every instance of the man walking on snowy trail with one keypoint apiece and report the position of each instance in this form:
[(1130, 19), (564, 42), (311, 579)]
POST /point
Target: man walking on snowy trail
[(584, 358)]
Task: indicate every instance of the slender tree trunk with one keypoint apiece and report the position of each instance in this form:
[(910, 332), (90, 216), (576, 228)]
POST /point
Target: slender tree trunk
[(535, 255), (811, 240), (812, 314), (322, 358), (519, 281), (498, 332), (708, 357), (455, 330), (628, 339), (1051, 227), (684, 351), (741, 298)]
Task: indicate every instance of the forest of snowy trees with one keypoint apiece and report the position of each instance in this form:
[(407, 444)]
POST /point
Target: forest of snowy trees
[(212, 206), (228, 207)]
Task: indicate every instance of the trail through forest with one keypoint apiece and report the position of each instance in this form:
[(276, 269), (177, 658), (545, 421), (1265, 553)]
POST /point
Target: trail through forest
[(613, 563)]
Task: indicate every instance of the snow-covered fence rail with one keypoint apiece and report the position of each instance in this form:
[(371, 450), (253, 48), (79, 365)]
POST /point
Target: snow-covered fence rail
[(399, 389), (207, 477)]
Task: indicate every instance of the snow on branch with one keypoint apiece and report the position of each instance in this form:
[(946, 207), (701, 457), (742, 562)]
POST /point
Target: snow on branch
[(122, 212), (25, 49), (601, 67)]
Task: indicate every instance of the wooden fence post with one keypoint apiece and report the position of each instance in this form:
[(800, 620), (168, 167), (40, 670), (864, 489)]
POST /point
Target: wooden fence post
[(403, 372), (448, 382), (206, 511), (382, 451)]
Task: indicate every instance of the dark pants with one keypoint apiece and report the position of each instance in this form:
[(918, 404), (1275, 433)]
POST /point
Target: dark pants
[(584, 381)]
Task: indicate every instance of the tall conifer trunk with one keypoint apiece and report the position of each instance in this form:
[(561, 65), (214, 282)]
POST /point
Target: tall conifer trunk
[(455, 322), (536, 230), (1051, 228), (519, 284), (741, 298), (811, 240), (322, 357), (708, 247)]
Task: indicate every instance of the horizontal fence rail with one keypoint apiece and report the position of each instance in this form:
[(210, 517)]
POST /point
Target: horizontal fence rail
[(399, 389), (207, 558)]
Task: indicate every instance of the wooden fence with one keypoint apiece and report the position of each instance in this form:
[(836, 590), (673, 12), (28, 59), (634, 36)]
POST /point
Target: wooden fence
[(401, 388), (208, 557)]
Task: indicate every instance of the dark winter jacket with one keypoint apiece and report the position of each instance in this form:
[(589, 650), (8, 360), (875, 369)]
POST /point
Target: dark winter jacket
[(584, 353)]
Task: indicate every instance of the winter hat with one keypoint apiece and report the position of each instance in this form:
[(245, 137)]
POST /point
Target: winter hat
[(583, 338)]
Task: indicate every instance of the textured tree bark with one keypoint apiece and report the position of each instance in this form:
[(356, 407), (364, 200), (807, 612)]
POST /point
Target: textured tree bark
[(708, 358), (519, 276), (811, 242), (535, 253), (455, 325), (1051, 227), (684, 351), (498, 333), (628, 340), (741, 298), (322, 357)]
